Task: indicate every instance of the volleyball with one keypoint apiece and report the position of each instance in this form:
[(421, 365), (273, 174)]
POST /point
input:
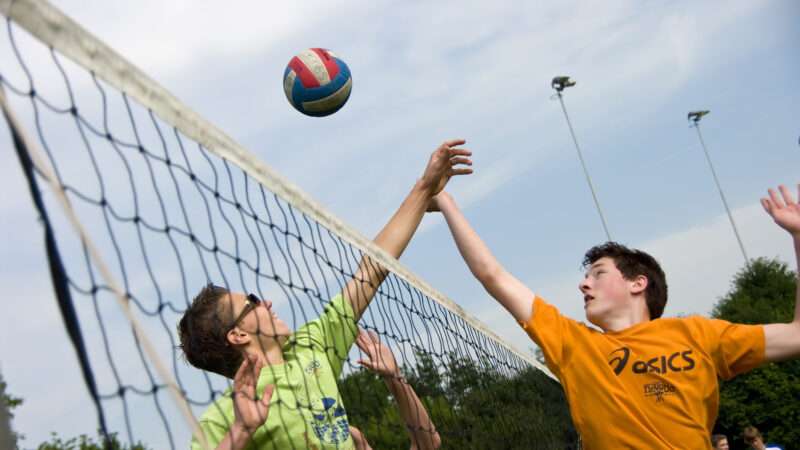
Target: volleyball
[(317, 82)]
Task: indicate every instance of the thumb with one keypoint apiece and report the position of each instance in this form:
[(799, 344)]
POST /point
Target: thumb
[(267, 396), (366, 363)]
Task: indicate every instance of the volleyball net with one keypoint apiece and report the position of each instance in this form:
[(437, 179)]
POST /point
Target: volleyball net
[(143, 202)]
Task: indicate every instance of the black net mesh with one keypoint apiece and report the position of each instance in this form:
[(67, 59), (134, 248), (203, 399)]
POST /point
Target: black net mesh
[(169, 217)]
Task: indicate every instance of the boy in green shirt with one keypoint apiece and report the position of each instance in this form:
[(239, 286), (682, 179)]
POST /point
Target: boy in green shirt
[(237, 335)]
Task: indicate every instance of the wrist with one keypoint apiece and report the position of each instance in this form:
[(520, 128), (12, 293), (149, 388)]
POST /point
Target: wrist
[(239, 431), (392, 377), (424, 187)]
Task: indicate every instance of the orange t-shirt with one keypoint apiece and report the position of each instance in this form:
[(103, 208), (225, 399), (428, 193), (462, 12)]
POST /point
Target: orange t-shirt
[(651, 386)]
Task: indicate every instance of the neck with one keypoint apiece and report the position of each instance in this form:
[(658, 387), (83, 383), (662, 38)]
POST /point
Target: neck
[(627, 318), (269, 351)]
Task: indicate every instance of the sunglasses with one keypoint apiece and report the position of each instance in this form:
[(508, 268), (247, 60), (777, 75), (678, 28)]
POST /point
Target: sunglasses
[(252, 303)]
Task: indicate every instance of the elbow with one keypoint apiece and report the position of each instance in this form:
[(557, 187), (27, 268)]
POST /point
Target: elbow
[(436, 441), (488, 274), (430, 441)]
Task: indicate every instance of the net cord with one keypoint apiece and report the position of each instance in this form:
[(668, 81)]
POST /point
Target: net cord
[(48, 175), (56, 30)]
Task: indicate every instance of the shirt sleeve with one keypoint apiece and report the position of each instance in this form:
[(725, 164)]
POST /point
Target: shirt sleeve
[(550, 330), (332, 333), (735, 348), (214, 432)]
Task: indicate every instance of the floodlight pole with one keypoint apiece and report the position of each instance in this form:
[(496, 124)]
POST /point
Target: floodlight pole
[(695, 117), (559, 84)]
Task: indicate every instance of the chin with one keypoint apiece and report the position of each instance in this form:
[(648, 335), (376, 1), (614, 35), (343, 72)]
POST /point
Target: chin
[(594, 317)]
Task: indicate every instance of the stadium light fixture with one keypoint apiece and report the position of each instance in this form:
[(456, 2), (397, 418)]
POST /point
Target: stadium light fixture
[(694, 117), (562, 82)]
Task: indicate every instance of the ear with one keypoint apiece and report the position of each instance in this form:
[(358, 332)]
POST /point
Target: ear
[(639, 284), (237, 337)]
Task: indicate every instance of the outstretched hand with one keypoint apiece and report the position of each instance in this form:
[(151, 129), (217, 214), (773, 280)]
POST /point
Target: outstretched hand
[(785, 212), (250, 412), (446, 161), (379, 357)]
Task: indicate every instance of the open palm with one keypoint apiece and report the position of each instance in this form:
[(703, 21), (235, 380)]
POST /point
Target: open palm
[(784, 211), (446, 161), (249, 411), (378, 357)]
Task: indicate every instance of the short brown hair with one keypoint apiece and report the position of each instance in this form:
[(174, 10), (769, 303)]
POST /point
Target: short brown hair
[(203, 334), (717, 438), (632, 263), (750, 434)]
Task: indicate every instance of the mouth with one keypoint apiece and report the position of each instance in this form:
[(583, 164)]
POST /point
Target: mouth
[(586, 299)]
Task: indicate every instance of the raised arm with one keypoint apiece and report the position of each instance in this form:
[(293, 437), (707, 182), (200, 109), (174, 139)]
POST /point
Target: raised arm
[(446, 161), (783, 339), (504, 287), (379, 359), (250, 412)]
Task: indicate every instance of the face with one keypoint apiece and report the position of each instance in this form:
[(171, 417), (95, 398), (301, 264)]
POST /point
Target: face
[(605, 291), (255, 316), (722, 445)]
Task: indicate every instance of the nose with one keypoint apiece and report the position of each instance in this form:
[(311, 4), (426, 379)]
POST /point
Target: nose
[(583, 285)]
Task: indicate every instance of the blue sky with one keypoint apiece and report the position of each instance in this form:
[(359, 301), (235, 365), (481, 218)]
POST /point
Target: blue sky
[(424, 73)]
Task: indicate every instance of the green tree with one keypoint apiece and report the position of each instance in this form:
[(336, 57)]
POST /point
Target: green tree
[(84, 442), (8, 438), (767, 398), (474, 405)]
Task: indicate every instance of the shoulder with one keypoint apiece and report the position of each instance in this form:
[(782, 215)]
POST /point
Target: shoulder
[(688, 323), (217, 412)]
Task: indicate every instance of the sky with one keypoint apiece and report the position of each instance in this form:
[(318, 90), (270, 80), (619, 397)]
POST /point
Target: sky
[(423, 73)]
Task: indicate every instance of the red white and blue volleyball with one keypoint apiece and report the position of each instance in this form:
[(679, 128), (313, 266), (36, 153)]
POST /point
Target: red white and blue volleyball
[(316, 82)]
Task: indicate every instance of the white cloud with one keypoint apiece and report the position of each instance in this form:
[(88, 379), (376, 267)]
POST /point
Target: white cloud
[(423, 72)]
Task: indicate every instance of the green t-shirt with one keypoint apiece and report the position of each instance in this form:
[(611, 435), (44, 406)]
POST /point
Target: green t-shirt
[(306, 409)]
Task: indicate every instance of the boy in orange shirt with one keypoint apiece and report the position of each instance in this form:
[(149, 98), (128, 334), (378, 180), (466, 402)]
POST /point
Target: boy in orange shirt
[(643, 381)]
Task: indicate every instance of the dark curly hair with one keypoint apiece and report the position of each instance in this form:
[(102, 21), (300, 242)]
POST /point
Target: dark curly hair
[(632, 263), (203, 333)]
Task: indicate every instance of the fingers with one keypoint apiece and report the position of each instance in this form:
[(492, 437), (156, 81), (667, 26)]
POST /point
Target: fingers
[(460, 160), (363, 341), (459, 152), (241, 374), (258, 364), (366, 363), (787, 195), (374, 337), (461, 172), (267, 395), (767, 205), (776, 201), (453, 142)]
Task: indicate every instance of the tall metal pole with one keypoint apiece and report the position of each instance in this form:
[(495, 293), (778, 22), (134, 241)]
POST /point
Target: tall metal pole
[(696, 119), (583, 163)]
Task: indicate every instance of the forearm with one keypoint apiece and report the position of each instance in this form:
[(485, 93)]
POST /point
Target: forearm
[(796, 240), (397, 233), (393, 238), (476, 254), (782, 340), (514, 295), (420, 428)]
